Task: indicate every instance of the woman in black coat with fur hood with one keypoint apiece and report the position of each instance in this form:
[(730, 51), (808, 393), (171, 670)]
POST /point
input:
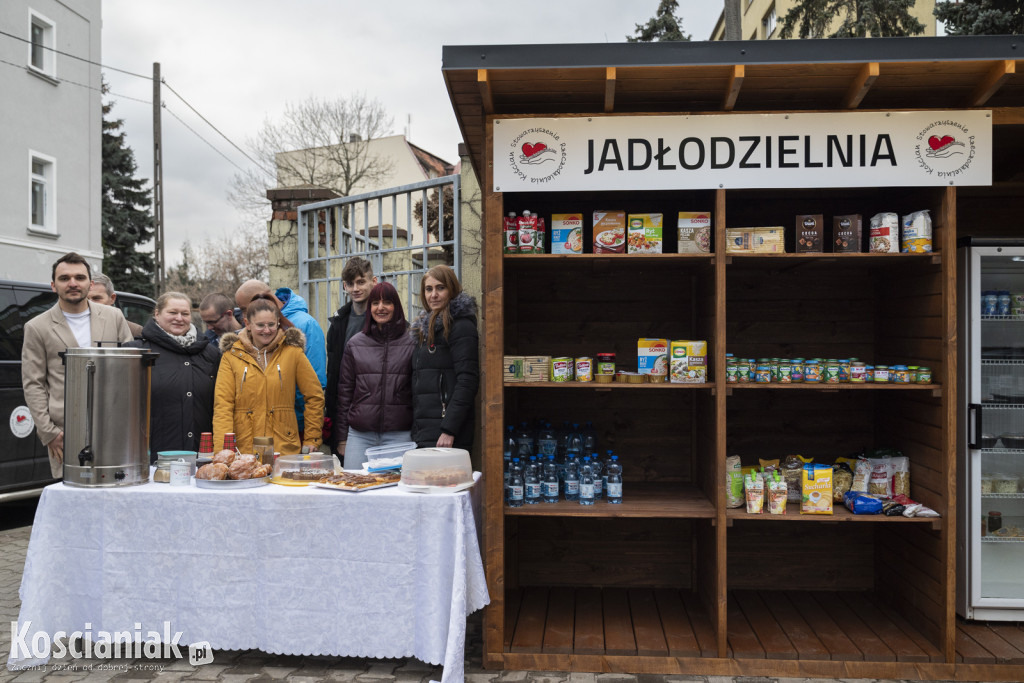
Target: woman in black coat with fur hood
[(445, 363)]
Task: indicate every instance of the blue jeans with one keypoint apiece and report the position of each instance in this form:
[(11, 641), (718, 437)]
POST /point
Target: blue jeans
[(358, 442)]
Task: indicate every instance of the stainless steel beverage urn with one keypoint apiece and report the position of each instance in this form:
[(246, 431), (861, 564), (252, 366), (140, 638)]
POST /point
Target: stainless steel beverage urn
[(106, 416)]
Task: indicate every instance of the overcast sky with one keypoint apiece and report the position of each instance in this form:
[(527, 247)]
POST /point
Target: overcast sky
[(239, 61)]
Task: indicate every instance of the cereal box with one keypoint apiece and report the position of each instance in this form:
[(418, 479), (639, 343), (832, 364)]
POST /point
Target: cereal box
[(758, 240), (567, 233), (846, 233), (816, 490), (810, 230), (652, 356), (694, 232), (609, 232), (688, 362), (645, 233)]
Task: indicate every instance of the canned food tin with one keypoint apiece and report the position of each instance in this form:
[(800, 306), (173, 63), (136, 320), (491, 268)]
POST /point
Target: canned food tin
[(561, 369), (585, 369), (900, 374), (731, 371), (763, 374), (858, 372), (881, 373), (812, 371), (606, 364), (924, 375)]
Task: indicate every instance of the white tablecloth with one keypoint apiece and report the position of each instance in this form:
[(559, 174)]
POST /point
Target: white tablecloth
[(286, 570)]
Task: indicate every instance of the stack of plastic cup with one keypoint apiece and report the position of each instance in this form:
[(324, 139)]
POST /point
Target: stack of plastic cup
[(206, 442)]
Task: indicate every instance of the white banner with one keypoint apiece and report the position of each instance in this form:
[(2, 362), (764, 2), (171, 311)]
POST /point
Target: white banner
[(844, 149)]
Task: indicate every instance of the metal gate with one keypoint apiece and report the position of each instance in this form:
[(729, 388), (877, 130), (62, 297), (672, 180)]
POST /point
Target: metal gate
[(381, 227)]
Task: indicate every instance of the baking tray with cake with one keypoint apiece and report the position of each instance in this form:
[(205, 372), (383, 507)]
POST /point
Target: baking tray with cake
[(302, 469), (355, 482)]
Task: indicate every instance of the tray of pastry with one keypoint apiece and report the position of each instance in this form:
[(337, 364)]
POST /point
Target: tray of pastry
[(233, 471), (358, 481), (232, 483)]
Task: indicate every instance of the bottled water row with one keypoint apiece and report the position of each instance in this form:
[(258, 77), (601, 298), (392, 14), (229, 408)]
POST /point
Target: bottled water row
[(552, 466)]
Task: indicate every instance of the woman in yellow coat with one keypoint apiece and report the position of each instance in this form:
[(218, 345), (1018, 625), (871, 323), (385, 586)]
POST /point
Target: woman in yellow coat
[(260, 369)]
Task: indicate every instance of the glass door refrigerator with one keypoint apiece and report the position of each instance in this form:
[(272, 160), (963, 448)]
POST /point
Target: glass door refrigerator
[(990, 466)]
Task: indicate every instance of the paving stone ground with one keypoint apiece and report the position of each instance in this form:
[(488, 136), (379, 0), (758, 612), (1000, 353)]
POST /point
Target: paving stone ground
[(253, 665)]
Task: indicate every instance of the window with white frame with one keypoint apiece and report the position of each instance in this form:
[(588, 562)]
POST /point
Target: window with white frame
[(768, 23), (42, 41), (43, 192)]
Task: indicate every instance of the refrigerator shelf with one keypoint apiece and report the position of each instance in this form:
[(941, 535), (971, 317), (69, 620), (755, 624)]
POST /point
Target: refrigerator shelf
[(1002, 318), (1002, 361), (1003, 495), (1002, 539)]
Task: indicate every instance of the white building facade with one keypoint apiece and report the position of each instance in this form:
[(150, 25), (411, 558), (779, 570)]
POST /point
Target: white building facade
[(50, 135)]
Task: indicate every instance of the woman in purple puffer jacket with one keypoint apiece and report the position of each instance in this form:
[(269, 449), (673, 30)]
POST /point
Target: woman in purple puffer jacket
[(375, 388)]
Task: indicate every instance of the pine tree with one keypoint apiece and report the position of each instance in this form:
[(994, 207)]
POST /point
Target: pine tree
[(982, 17), (127, 224), (855, 19), (663, 27)]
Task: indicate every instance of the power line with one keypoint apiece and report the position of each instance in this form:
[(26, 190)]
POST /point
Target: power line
[(217, 130), (193, 131), (71, 56), (83, 85)]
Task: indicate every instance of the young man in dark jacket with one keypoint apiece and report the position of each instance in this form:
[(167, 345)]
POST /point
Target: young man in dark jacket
[(358, 279)]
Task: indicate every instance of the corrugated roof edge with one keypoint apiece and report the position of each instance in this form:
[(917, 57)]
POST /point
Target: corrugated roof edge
[(833, 50)]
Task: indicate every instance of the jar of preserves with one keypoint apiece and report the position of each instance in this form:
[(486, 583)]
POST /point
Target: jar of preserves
[(831, 373), (900, 374), (869, 373), (797, 369), (924, 375), (785, 372), (731, 370), (743, 371), (844, 369), (995, 521), (882, 373), (858, 372), (812, 371), (774, 366), (763, 374), (606, 363)]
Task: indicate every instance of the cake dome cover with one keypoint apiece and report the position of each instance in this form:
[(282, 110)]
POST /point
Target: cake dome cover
[(436, 467)]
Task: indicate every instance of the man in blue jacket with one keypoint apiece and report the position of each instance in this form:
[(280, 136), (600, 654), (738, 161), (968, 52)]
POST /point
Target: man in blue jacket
[(294, 308)]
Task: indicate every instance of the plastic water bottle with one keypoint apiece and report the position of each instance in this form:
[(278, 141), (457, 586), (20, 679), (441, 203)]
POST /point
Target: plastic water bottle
[(586, 482), (547, 441), (613, 492), (509, 451), (576, 440), (524, 442), (515, 485), (563, 441), (549, 481), (532, 479), (595, 464), (604, 472), (571, 478), (590, 440)]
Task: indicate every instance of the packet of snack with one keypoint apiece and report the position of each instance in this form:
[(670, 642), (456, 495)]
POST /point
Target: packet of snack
[(880, 483), (862, 503), (733, 482), (792, 470), (816, 490), (901, 475), (777, 494), (842, 480), (861, 476), (753, 485)]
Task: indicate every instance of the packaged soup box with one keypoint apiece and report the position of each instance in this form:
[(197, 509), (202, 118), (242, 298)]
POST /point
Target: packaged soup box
[(694, 232), (645, 233), (609, 232), (567, 233)]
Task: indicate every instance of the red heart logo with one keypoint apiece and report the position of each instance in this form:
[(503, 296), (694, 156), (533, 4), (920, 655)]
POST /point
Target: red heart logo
[(21, 418), (936, 142), (529, 149)]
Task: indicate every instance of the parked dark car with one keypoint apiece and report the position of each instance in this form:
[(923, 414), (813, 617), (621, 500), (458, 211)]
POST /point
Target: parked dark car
[(24, 464)]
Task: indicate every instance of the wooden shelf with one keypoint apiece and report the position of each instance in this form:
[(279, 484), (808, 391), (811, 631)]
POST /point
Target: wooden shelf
[(604, 387), (788, 260), (677, 501), (607, 257), (935, 389), (840, 513)]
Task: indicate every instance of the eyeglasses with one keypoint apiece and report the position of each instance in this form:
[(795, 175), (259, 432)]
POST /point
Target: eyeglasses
[(263, 327), (215, 320)]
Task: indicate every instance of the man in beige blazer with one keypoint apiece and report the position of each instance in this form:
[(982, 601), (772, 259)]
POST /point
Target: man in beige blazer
[(73, 321)]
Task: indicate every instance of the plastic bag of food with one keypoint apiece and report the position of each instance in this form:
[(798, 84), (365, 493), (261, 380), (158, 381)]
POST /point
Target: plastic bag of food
[(861, 476), (901, 476), (842, 481), (792, 470), (816, 490), (913, 508), (753, 485), (733, 482), (768, 466), (777, 493), (862, 503), (880, 483)]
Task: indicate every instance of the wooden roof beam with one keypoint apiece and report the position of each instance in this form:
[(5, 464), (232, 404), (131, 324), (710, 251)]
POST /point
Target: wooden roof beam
[(609, 89), (483, 81), (860, 86), (735, 85), (994, 79)]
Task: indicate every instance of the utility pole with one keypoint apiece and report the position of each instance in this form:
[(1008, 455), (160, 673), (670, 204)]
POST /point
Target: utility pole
[(158, 183), (733, 18)]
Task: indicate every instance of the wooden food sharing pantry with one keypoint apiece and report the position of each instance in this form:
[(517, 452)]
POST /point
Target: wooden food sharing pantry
[(673, 580)]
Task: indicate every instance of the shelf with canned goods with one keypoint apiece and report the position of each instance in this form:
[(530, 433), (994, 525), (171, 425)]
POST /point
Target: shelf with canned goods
[(934, 389), (648, 500), (606, 386)]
